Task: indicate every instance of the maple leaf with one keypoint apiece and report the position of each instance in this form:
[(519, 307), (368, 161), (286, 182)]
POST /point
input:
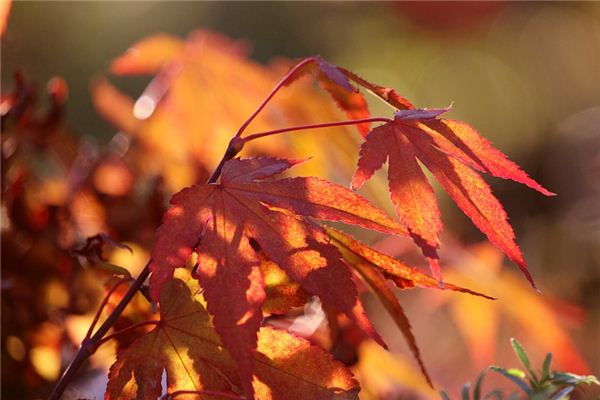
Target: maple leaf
[(384, 375), (375, 267), (148, 55), (218, 221), (113, 105), (282, 294), (207, 78), (377, 282), (336, 80), (452, 151), (403, 275), (187, 348)]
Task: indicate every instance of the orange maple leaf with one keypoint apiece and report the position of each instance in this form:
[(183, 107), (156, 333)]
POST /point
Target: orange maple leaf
[(219, 220), (202, 89), (187, 348), (450, 150), (375, 268)]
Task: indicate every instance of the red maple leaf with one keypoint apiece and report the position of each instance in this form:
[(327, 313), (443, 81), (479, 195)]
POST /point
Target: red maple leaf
[(451, 151), (186, 347), (376, 268), (219, 220)]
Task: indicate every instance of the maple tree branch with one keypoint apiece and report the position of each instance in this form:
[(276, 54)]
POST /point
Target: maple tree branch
[(314, 126), (281, 83), (89, 345)]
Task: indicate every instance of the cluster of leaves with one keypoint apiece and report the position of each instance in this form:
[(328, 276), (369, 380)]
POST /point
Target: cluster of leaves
[(251, 243), (232, 225), (62, 194), (548, 385)]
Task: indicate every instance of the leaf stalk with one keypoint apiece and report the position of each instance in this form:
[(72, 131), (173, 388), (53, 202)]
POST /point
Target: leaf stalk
[(281, 83), (314, 126)]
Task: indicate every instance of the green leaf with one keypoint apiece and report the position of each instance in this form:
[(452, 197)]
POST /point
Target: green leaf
[(546, 366), (563, 393), (465, 391), (513, 378), (444, 395), (520, 352), (572, 379), (517, 372), (477, 388), (495, 394)]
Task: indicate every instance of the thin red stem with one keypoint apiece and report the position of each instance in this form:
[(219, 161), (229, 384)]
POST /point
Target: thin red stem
[(124, 330), (314, 126), (233, 148), (102, 305), (281, 83), (233, 396)]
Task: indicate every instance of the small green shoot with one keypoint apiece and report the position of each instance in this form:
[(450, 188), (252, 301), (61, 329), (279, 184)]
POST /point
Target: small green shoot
[(550, 385)]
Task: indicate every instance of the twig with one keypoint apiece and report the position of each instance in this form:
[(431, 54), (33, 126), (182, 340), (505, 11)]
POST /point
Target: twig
[(89, 346), (313, 126), (281, 83)]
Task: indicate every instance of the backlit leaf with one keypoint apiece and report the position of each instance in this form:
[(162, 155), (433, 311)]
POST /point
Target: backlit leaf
[(188, 349), (376, 280), (203, 88), (113, 105), (447, 149), (520, 351), (463, 142), (217, 221), (403, 275), (148, 55), (282, 293)]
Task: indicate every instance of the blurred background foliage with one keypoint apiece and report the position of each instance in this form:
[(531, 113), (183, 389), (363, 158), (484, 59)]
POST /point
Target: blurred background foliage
[(525, 74)]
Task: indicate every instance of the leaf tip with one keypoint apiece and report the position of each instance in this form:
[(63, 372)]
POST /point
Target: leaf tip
[(540, 189), (548, 193), (357, 181), (530, 279)]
